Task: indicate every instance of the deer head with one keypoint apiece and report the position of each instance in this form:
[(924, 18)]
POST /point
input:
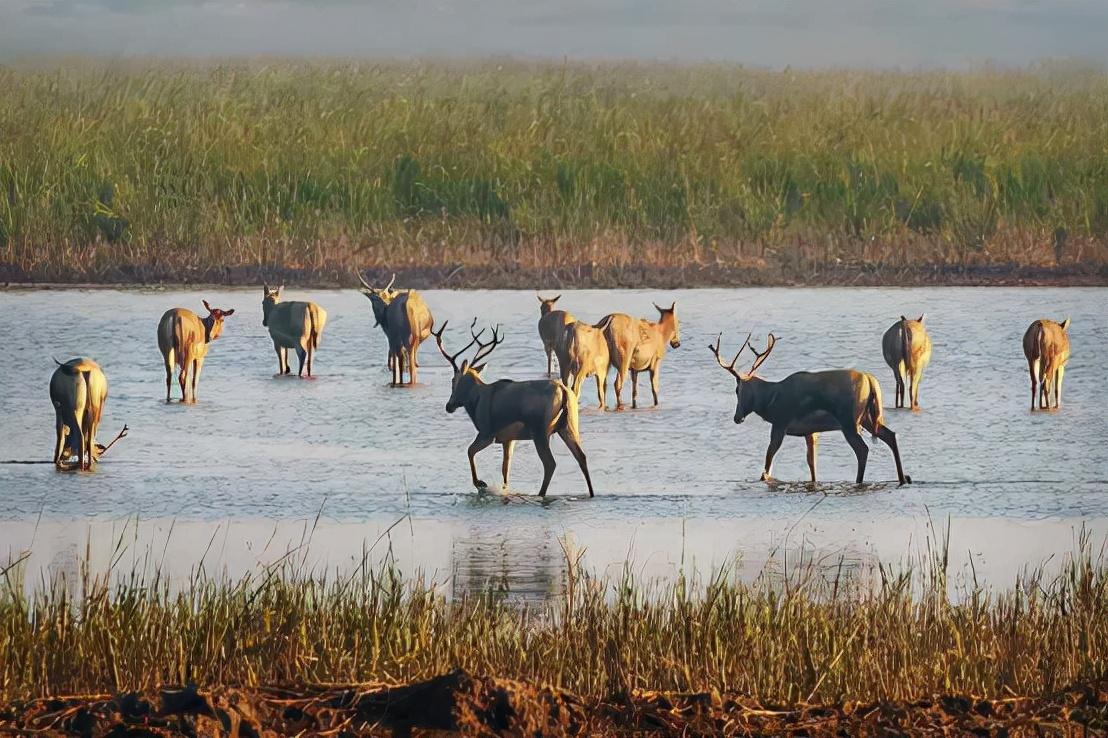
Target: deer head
[(379, 298), (467, 375), (546, 304), (270, 297), (667, 317), (745, 397), (213, 324)]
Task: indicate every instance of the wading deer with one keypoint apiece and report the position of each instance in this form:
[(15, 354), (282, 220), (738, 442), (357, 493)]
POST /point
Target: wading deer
[(407, 322), (552, 325), (639, 345), (809, 403), (1046, 345), (907, 350), (78, 390), (183, 338), (584, 352), (505, 411), (292, 325)]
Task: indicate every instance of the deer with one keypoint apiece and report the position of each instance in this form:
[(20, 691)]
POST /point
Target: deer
[(583, 352), (407, 322), (78, 391), (907, 350), (183, 338), (507, 411), (1046, 345), (552, 324), (639, 345), (809, 403), (292, 325)]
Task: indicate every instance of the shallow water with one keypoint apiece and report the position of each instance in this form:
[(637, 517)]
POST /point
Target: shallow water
[(679, 480)]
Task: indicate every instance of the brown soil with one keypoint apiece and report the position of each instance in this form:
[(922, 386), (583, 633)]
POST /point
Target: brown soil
[(460, 704), (590, 276)]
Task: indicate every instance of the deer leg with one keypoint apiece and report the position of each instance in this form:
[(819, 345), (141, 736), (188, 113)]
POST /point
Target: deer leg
[(412, 364), (311, 358), (916, 377), (861, 450), (1033, 368), (654, 376), (183, 379), (480, 443), (621, 367), (574, 446), (301, 355), (197, 365), (280, 359), (813, 443), (601, 389), (542, 446), (59, 446), (169, 361), (550, 360), (634, 388), (1058, 386), (776, 436), (889, 438), (505, 466)]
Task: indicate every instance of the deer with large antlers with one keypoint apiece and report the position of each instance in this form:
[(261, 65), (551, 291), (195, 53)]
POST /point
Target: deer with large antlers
[(506, 411), (406, 321), (183, 339), (809, 403)]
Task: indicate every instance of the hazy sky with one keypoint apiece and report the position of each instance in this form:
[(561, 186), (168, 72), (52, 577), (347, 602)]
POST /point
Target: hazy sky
[(773, 33)]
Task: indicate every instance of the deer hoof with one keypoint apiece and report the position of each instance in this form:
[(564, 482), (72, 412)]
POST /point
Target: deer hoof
[(482, 486)]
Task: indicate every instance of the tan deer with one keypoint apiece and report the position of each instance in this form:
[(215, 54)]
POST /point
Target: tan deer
[(183, 338), (407, 322), (292, 325), (584, 352), (907, 350), (552, 325), (505, 411), (1046, 345), (639, 345), (78, 391), (809, 403)]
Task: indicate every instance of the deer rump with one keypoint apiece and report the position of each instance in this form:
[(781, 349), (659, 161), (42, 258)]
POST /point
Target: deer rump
[(520, 411), (78, 391), (407, 322)]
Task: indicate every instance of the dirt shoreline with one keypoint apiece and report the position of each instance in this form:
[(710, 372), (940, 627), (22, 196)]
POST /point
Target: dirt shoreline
[(458, 703), (582, 276)]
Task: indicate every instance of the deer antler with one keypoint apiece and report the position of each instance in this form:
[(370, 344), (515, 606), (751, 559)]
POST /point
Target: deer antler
[(454, 359), (761, 357), (729, 367), (365, 283), (389, 285), (484, 349), (122, 434)]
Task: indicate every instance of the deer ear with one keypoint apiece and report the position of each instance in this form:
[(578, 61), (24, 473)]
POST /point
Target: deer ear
[(556, 298), (921, 317), (228, 312), (479, 368), (903, 319), (1066, 324), (207, 306), (540, 298)]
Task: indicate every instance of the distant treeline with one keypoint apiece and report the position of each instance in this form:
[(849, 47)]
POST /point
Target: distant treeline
[(156, 168)]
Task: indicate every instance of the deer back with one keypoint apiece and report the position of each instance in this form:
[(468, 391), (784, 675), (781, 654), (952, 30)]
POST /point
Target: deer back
[(500, 406), (552, 327), (182, 331), (78, 388), (1047, 341), (586, 346), (906, 341), (291, 323)]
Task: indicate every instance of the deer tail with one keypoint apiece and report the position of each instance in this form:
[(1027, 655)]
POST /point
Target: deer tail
[(874, 407), (568, 413), (1041, 340), (905, 347), (313, 329)]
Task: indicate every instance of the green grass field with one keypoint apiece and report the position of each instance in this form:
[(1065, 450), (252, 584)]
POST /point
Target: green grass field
[(159, 167)]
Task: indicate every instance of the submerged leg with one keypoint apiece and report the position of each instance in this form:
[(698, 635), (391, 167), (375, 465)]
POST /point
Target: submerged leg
[(542, 446), (812, 440), (505, 466), (301, 355), (776, 436), (889, 438), (861, 450), (480, 443), (169, 361), (59, 446), (1033, 367), (574, 446)]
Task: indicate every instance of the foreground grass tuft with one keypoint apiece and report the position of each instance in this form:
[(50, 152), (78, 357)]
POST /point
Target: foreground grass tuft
[(805, 638)]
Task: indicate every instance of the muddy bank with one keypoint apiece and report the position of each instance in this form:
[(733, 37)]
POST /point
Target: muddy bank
[(458, 703), (486, 276)]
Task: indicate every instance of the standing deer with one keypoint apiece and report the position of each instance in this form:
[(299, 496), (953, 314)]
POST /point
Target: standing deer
[(407, 321), (1046, 345), (183, 338), (809, 403), (639, 345), (582, 352), (292, 325), (78, 390), (907, 350), (552, 325), (379, 299), (505, 411)]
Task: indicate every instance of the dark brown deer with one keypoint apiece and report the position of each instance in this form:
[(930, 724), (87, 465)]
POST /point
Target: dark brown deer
[(1046, 345), (505, 411), (809, 403)]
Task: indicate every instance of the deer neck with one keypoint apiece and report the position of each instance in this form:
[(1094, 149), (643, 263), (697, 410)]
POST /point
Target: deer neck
[(474, 397), (209, 323), (762, 394)]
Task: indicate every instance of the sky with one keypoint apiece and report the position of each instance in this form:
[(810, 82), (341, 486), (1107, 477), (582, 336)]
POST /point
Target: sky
[(771, 33)]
